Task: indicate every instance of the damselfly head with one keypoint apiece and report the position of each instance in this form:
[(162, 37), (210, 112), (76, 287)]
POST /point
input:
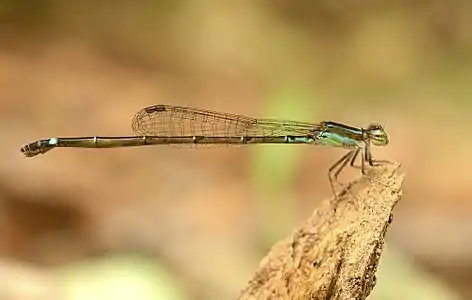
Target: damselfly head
[(377, 135)]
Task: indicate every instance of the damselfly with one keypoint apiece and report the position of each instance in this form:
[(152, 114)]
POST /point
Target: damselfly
[(178, 125)]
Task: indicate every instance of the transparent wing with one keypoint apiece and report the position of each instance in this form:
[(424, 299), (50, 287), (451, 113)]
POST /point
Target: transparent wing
[(178, 121)]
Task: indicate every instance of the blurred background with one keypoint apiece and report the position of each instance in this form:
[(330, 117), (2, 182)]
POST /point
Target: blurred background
[(172, 223)]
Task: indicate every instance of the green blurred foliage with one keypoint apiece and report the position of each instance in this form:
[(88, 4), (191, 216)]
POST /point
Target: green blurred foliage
[(118, 278)]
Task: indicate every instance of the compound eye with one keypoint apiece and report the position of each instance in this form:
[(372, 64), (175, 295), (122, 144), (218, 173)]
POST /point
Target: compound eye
[(377, 135)]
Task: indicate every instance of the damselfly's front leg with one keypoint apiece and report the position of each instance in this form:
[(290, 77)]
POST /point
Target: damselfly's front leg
[(370, 159), (367, 157)]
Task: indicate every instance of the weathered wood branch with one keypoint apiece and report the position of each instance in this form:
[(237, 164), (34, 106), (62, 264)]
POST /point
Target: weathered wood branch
[(335, 253)]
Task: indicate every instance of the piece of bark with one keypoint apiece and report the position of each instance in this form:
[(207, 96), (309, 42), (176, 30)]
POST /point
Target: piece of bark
[(335, 254)]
